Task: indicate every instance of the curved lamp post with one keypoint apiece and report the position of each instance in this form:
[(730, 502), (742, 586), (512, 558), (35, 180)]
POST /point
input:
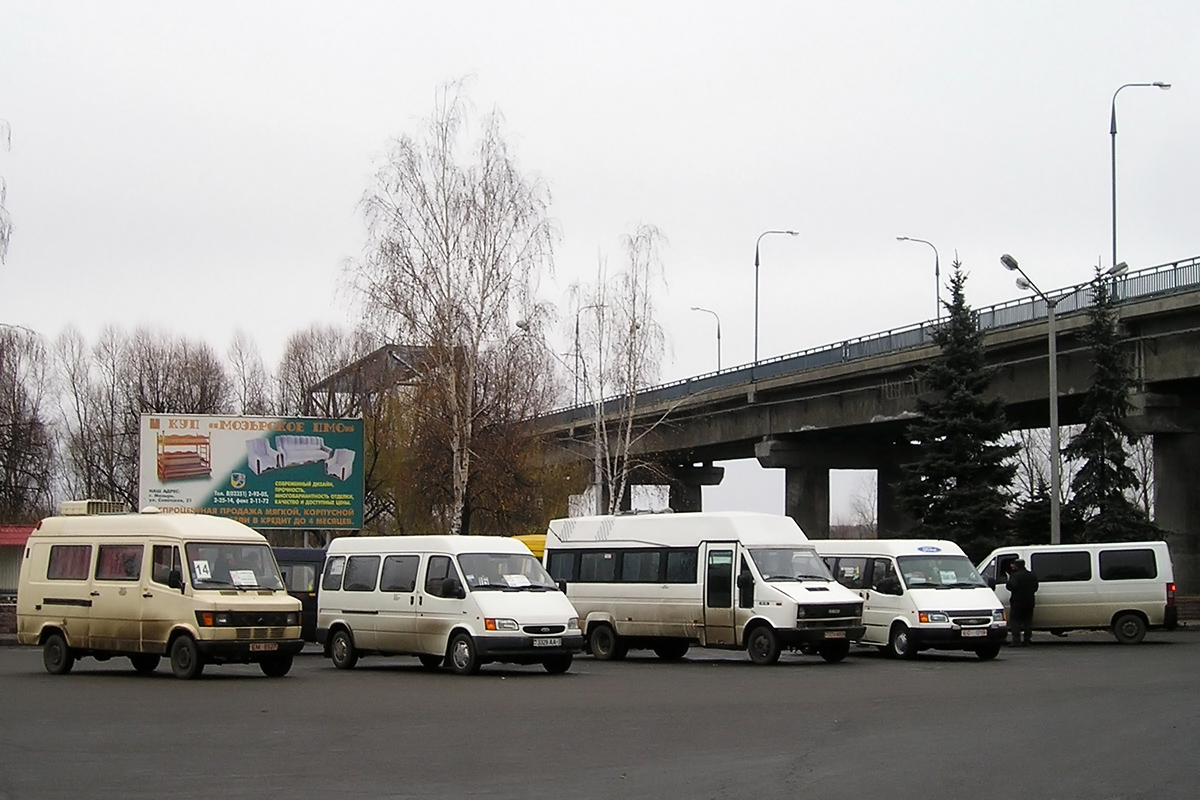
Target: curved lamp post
[(937, 273), (718, 318), (1112, 130), (756, 244)]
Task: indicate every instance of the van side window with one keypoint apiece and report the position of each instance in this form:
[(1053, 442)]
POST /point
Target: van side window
[(299, 577), (1127, 565), (361, 572), (440, 568), (1073, 565), (597, 567), (988, 573), (681, 566), (640, 566), (119, 562), (165, 558), (850, 572), (883, 576), (69, 562), (719, 591), (399, 574), (562, 566), (334, 567)]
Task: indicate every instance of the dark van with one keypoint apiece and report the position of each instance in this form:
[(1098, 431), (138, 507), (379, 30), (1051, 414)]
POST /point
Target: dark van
[(301, 570)]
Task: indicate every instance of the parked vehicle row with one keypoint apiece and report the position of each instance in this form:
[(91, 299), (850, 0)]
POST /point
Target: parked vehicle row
[(204, 590)]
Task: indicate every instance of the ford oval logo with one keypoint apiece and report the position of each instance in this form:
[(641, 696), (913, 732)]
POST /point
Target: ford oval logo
[(928, 548)]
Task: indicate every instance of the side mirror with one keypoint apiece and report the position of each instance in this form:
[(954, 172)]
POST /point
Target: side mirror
[(889, 586), (452, 588), (745, 581), (562, 586), (991, 583), (175, 579)]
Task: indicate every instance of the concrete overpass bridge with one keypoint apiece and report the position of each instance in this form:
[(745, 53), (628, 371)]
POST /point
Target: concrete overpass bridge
[(846, 405)]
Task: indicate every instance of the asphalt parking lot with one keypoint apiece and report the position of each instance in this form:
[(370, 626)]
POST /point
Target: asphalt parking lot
[(1074, 717)]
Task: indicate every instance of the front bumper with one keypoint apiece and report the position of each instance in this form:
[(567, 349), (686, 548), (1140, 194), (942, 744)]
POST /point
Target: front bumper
[(247, 652), (953, 639), (796, 637), (520, 649)]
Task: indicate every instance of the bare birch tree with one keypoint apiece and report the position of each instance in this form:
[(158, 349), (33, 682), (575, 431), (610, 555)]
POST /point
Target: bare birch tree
[(5, 219), (251, 385), (26, 435), (457, 238)]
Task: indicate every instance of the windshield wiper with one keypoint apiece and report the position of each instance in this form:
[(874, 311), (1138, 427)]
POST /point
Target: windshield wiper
[(806, 577)]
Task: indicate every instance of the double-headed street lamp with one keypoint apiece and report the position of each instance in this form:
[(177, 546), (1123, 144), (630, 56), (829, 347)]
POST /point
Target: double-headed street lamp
[(756, 244), (1025, 283), (937, 272), (1112, 130), (718, 319)]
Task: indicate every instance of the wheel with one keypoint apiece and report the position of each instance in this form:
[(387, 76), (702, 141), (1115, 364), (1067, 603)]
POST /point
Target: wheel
[(430, 661), (671, 650), (557, 665), (341, 650), (56, 656), (186, 661), (987, 652), (606, 645), (834, 651), (276, 666), (464, 659), (1129, 629), (145, 663), (763, 646), (900, 643)]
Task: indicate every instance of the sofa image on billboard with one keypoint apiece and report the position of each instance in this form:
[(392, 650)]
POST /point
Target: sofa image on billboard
[(260, 456), (301, 449)]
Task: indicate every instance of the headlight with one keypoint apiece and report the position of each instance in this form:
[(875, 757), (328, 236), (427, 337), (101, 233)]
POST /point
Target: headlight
[(799, 612), (998, 615), (293, 618), (212, 619), (573, 622), (927, 617), (500, 624)]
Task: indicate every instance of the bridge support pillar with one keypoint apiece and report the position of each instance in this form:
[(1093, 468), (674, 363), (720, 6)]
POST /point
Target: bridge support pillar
[(806, 499), (686, 484), (891, 521)]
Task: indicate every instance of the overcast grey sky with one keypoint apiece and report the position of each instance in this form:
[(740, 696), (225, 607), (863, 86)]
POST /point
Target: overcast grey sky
[(198, 167)]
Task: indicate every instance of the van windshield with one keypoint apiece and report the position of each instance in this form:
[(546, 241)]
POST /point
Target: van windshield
[(939, 572), (508, 572), (789, 564), (243, 566)]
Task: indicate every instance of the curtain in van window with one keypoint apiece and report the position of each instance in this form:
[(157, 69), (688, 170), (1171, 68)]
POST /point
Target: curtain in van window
[(69, 562), (119, 562)]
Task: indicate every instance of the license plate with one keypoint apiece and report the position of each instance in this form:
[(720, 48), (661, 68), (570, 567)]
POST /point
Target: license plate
[(553, 641), (979, 632), (835, 634), (263, 647)]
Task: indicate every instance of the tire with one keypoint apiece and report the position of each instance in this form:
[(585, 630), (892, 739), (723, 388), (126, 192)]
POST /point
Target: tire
[(341, 650), (186, 661), (987, 652), (1129, 629), (557, 665), (463, 658), (763, 646), (56, 656), (431, 661), (900, 643), (145, 663), (605, 644), (276, 666), (834, 651), (672, 649)]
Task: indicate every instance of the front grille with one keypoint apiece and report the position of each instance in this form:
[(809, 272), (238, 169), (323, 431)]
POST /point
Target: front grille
[(966, 622), (257, 619), (539, 630), (819, 611), (833, 624), (260, 633)]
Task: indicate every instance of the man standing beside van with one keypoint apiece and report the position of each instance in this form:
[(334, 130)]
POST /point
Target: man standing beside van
[(1022, 585)]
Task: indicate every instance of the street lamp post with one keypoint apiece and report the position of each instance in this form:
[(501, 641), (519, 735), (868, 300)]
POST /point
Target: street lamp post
[(718, 318), (1112, 130), (756, 244), (937, 273), (579, 311)]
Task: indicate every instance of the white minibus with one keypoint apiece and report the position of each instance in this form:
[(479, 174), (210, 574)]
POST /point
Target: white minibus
[(918, 594), (729, 580), (1123, 587), (460, 600), (198, 589)]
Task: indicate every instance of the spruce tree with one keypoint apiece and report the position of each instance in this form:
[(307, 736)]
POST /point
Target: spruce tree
[(1100, 488), (958, 488)]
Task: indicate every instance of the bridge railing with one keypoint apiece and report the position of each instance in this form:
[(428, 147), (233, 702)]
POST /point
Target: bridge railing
[(1164, 279)]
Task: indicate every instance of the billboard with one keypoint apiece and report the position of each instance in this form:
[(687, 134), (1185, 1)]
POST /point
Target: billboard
[(265, 472)]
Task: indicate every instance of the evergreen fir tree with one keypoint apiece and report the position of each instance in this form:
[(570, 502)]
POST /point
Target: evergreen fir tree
[(958, 488), (1031, 519), (1100, 488)]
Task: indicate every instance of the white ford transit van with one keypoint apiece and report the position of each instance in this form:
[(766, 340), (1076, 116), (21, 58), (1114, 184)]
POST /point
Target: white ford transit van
[(1125, 587), (729, 580), (195, 588), (918, 594), (459, 600)]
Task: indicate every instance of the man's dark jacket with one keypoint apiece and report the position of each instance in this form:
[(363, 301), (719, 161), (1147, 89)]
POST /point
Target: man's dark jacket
[(1022, 586)]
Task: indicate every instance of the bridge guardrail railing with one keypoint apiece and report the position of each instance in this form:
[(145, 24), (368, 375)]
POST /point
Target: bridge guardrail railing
[(1163, 279)]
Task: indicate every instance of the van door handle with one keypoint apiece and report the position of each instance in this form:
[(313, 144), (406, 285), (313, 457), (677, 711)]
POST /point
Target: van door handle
[(147, 594), (411, 600), (95, 594)]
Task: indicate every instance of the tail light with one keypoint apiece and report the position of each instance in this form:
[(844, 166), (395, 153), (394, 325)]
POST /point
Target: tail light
[(1170, 594)]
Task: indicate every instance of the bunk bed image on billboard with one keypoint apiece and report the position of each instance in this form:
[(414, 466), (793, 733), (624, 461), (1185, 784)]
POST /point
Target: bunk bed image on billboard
[(184, 456)]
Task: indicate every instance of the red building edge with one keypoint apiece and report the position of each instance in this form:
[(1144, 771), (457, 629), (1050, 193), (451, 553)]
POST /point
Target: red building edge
[(15, 535)]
